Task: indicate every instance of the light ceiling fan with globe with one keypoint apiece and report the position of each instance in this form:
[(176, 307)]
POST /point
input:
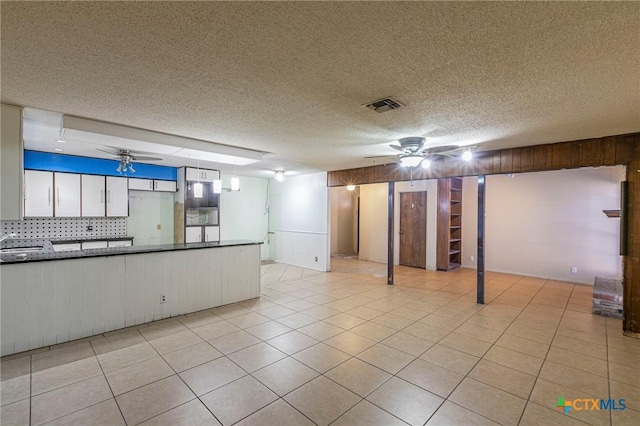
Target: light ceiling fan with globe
[(127, 158), (413, 152)]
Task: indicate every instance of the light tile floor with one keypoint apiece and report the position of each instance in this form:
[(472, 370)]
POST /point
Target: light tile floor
[(344, 348)]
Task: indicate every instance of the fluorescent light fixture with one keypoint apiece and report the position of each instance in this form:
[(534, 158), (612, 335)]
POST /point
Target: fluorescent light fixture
[(235, 183), (467, 155), (217, 186), (58, 149), (197, 190), (410, 160), (426, 163), (60, 140), (279, 175), (351, 187)]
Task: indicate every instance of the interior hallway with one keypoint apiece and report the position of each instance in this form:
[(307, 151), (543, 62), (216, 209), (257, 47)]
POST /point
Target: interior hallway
[(344, 348)]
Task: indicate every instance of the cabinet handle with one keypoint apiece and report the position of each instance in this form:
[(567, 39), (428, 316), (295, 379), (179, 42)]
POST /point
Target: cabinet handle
[(102, 196), (108, 197), (49, 196), (206, 237), (58, 196), (153, 184)]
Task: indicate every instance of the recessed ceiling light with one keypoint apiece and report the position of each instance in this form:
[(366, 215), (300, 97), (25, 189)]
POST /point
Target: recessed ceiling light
[(60, 140), (58, 149)]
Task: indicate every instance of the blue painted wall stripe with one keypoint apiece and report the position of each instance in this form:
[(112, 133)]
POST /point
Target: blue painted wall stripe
[(37, 160)]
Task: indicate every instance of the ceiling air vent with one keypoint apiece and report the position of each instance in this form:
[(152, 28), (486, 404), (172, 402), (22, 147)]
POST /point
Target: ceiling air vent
[(384, 105)]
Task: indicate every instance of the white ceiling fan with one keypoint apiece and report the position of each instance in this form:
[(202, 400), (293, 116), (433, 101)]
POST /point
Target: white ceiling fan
[(414, 153), (127, 157)]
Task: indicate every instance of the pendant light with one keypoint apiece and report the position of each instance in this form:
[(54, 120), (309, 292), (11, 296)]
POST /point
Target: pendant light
[(279, 176), (235, 180), (217, 183), (197, 187)]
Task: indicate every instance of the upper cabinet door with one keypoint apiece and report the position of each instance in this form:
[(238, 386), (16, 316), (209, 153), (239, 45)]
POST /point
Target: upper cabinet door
[(117, 196), (67, 195), (38, 193), (93, 196), (141, 184), (165, 185)]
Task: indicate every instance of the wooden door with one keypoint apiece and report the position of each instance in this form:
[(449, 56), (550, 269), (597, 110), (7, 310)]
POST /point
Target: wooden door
[(413, 225)]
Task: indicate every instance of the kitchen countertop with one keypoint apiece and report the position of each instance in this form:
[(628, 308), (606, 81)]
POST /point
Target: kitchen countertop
[(49, 254)]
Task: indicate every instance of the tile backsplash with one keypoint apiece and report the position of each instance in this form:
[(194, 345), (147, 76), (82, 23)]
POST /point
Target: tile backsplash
[(66, 227)]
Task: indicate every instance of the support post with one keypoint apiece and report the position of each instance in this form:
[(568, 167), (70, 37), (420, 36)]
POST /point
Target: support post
[(480, 255), (390, 236)]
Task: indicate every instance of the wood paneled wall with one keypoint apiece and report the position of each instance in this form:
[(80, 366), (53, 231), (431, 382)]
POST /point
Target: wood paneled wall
[(606, 151)]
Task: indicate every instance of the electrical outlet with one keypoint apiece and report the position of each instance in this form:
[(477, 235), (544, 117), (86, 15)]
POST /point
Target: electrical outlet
[(316, 258), (163, 298), (158, 227), (471, 258), (574, 269)]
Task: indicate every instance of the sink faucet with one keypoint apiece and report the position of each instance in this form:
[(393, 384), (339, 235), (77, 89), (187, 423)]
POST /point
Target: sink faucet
[(7, 236)]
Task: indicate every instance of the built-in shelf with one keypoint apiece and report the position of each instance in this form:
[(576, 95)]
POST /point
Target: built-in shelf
[(449, 234)]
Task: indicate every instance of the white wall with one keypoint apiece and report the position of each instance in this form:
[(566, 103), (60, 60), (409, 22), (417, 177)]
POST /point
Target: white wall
[(344, 210), (148, 211), (298, 218), (243, 214), (373, 222), (542, 224), (431, 186)]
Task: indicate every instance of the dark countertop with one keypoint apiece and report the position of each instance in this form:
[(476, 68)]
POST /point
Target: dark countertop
[(85, 239), (49, 254)]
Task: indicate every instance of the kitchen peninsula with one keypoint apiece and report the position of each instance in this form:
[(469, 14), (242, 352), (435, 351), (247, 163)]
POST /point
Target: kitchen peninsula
[(53, 298)]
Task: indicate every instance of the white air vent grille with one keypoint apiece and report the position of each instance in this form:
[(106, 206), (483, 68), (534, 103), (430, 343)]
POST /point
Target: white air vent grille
[(384, 105)]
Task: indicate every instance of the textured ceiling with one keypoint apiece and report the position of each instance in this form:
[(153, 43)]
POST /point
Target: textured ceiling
[(290, 78)]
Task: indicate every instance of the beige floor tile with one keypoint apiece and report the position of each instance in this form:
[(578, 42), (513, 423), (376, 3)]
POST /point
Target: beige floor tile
[(580, 346), (345, 321), (488, 401), (322, 400), (230, 311), (300, 305), (386, 358), (176, 341), (191, 356), (217, 329), (117, 341), (465, 344), (409, 313), (365, 413), (578, 361), (320, 312), (574, 379), (624, 357), (277, 413), (450, 358), (55, 357), (238, 400), (234, 342), (365, 313), (625, 418), (546, 393), (452, 414), (268, 330), (198, 319), (485, 334), (630, 393), (597, 338), (516, 360), (162, 329), (435, 379), (16, 414), (60, 402), (320, 330), (207, 377), (392, 321), (373, 331), (192, 413), (358, 376), (138, 375), (149, 401), (426, 331), (505, 378), (535, 415), (445, 323), (623, 374), (544, 337), (276, 311), (120, 358), (525, 346), (285, 375), (12, 368), (321, 357), (15, 389), (296, 320), (616, 340), (407, 343), (104, 413), (248, 320), (292, 342), (406, 401), (63, 375), (257, 356), (350, 343)]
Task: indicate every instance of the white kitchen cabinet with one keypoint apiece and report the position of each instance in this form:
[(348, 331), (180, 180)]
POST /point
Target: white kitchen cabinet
[(202, 175), (141, 184), (67, 195), (211, 233), (38, 193), (66, 247), (193, 234), (165, 185), (120, 243), (93, 196), (94, 244), (117, 196)]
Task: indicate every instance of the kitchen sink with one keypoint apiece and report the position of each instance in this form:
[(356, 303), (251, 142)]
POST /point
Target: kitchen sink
[(17, 250)]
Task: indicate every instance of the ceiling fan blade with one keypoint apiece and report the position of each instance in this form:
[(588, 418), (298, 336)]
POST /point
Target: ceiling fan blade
[(397, 147), (440, 149), (381, 156), (144, 158), (112, 152)]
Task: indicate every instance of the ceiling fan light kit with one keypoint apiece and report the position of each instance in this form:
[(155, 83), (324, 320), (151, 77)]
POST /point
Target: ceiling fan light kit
[(410, 160), (279, 176)]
